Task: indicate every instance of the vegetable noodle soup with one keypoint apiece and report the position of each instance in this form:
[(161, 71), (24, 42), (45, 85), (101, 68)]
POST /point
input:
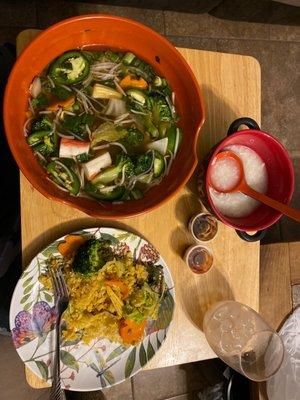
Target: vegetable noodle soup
[(103, 124)]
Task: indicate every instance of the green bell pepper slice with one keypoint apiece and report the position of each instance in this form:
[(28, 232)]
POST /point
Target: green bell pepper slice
[(99, 194), (70, 68), (63, 175)]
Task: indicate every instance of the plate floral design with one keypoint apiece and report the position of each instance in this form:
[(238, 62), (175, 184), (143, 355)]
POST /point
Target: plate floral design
[(101, 363)]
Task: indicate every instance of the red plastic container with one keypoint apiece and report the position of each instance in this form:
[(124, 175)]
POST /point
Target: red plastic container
[(280, 175)]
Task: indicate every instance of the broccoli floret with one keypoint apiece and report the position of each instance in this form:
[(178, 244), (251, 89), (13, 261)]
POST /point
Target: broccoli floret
[(112, 173), (40, 101), (161, 86), (134, 138), (143, 163), (77, 124), (49, 146), (41, 124), (91, 256), (61, 93), (160, 110)]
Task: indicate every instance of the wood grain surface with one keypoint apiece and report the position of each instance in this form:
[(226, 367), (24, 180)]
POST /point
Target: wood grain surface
[(231, 87)]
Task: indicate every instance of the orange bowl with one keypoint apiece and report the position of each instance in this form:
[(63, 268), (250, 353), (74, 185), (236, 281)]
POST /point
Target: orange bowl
[(108, 32)]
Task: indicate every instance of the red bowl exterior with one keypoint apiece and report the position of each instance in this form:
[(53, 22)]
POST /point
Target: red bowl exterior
[(108, 32), (280, 178)]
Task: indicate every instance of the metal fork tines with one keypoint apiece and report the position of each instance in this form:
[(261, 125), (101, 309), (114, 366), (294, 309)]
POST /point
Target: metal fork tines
[(61, 303)]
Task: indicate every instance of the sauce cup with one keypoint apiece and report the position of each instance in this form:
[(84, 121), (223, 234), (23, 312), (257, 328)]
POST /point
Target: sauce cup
[(199, 258), (203, 227)]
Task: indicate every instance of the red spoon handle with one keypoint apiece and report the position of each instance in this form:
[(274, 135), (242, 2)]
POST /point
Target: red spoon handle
[(283, 208)]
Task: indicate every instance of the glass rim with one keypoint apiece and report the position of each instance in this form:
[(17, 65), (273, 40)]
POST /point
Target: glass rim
[(273, 333)]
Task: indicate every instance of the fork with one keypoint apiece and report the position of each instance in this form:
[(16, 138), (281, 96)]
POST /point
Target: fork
[(61, 294)]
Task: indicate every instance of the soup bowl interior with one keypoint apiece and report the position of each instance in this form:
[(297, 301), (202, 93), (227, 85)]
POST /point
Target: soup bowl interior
[(280, 178), (103, 31)]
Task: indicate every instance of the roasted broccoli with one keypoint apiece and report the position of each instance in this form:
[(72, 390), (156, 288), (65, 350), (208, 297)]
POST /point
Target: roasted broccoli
[(49, 146), (143, 163), (133, 139), (160, 110), (77, 124), (41, 124), (61, 93), (40, 101), (41, 138), (123, 163), (92, 255), (160, 86)]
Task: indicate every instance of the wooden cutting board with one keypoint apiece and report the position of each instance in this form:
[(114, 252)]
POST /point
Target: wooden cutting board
[(232, 88)]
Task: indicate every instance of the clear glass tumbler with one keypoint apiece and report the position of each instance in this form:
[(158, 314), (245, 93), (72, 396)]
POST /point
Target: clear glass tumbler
[(243, 340)]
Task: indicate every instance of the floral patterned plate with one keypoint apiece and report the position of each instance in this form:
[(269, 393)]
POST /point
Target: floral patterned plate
[(101, 363)]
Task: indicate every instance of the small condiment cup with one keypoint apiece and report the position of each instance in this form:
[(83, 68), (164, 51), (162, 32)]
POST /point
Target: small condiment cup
[(199, 258), (203, 227)]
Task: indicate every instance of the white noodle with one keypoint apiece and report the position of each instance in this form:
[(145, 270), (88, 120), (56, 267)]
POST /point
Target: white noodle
[(45, 112), (69, 112), (58, 186), (25, 126), (81, 175), (120, 118), (120, 145), (176, 142), (85, 106), (58, 115), (30, 106), (113, 69), (66, 87), (40, 156), (138, 112), (88, 80), (169, 165), (123, 176), (104, 146), (173, 97), (64, 136), (103, 76), (106, 64), (127, 121), (88, 131), (119, 88), (51, 81)]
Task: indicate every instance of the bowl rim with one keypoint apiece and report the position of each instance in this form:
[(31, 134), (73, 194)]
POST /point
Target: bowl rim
[(18, 158)]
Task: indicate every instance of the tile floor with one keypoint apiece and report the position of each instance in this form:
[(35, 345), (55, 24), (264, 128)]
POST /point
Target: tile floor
[(277, 47)]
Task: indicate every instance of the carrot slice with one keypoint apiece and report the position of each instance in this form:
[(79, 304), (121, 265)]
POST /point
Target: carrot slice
[(128, 81), (131, 332), (70, 245), (62, 103), (123, 287)]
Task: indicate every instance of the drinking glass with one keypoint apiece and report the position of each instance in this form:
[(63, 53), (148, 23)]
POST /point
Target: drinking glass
[(243, 340)]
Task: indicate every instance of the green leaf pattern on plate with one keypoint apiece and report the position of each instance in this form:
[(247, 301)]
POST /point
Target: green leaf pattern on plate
[(142, 355), (116, 352), (130, 363), (69, 360), (150, 350), (42, 366)]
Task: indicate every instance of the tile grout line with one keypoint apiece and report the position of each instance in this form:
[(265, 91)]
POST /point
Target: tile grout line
[(232, 38), (132, 388), (164, 23)]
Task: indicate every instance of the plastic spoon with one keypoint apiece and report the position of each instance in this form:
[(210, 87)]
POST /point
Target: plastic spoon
[(237, 183)]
